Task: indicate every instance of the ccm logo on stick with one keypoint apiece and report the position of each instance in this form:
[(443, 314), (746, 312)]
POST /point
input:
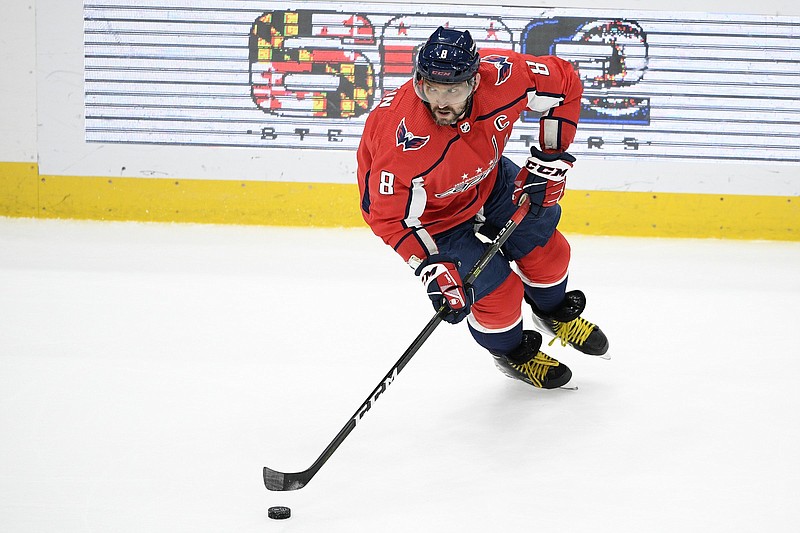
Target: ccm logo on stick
[(375, 394)]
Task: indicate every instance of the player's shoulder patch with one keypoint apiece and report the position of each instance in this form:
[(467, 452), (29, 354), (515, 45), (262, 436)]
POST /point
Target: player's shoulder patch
[(502, 65), (406, 138)]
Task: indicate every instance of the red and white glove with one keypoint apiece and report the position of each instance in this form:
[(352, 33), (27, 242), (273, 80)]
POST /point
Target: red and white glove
[(543, 179), (439, 273)]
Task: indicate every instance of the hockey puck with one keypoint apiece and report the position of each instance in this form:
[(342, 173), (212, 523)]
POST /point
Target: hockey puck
[(279, 513)]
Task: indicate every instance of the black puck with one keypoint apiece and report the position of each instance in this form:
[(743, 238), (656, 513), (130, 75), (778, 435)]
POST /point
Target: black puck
[(279, 513)]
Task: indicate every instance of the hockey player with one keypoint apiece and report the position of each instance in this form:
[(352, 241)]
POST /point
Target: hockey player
[(430, 165)]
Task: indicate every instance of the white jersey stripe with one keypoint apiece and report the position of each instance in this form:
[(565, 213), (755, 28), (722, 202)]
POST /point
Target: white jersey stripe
[(419, 200), (550, 133), (542, 102)]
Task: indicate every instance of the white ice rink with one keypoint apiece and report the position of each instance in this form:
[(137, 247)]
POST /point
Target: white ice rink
[(149, 371)]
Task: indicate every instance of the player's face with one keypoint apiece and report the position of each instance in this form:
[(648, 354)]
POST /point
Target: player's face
[(448, 101)]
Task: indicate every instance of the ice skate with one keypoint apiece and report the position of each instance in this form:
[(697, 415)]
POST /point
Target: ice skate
[(526, 363), (566, 324)]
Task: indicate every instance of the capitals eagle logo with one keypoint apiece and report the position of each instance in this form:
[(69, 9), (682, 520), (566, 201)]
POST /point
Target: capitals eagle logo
[(408, 140), (503, 66)]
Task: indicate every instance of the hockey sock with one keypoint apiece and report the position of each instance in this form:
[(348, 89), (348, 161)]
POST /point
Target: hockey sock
[(501, 343), (547, 298)]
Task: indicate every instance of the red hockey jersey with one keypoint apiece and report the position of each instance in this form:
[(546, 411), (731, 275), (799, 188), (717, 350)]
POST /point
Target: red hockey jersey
[(417, 179)]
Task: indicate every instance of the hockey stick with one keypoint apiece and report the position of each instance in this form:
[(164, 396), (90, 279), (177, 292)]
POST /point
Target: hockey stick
[(283, 481)]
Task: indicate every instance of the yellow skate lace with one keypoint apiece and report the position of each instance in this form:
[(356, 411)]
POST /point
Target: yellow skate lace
[(537, 368), (573, 332)]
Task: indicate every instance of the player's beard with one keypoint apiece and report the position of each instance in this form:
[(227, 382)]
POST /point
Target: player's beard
[(448, 115)]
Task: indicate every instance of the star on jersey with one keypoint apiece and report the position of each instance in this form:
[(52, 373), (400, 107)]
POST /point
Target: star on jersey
[(467, 181), (503, 66), (408, 140)]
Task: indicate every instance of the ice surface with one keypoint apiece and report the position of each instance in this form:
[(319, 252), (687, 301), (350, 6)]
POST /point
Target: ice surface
[(149, 371)]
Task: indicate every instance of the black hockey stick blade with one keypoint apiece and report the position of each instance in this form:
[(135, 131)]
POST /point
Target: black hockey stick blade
[(283, 481), (280, 481)]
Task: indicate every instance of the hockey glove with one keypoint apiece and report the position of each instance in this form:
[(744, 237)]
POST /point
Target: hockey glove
[(543, 178), (439, 273)]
